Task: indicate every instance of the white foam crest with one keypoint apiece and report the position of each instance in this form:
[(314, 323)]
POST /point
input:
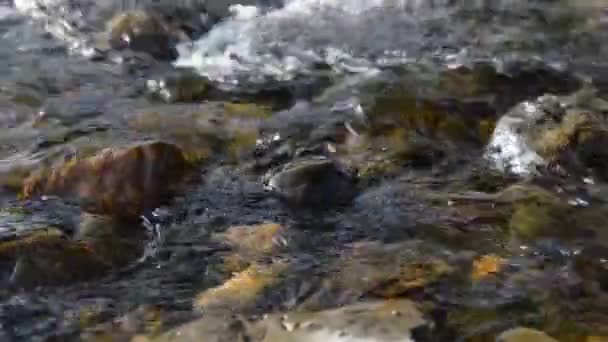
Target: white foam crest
[(284, 43), (352, 36)]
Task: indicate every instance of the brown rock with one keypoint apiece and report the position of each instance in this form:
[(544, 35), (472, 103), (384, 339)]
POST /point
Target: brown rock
[(121, 182), (243, 289), (251, 243), (486, 265), (141, 31), (256, 240)]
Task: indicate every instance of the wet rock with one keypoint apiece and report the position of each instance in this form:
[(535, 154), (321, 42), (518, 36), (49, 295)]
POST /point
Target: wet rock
[(18, 219), (251, 243), (255, 240), (529, 212), (398, 320), (533, 219), (115, 242), (73, 108), (180, 86), (388, 156), (247, 110), (190, 19), (123, 182), (14, 172), (316, 181), (405, 113), (549, 132), (389, 270), (201, 132), (486, 266), (509, 147), (142, 320), (141, 31), (212, 328), (48, 258), (222, 8), (192, 132), (591, 263), (536, 212), (304, 129), (242, 290), (524, 334)]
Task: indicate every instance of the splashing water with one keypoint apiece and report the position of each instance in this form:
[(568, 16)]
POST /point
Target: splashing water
[(359, 36)]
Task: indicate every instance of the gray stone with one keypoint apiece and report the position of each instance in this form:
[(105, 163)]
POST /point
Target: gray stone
[(313, 181)]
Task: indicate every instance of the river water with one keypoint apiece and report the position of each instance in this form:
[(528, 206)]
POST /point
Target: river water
[(451, 152)]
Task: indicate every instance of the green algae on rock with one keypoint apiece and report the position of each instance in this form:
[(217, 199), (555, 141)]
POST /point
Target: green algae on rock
[(121, 182)]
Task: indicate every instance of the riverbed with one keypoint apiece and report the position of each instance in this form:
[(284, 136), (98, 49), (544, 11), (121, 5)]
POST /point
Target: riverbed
[(304, 170)]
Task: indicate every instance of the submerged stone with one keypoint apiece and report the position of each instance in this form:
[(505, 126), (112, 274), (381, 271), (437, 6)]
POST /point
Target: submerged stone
[(48, 258), (123, 182), (591, 263), (114, 242), (397, 321), (243, 289), (394, 321), (389, 270), (251, 243), (202, 132), (210, 328), (524, 335), (257, 239), (317, 182), (486, 266), (180, 86)]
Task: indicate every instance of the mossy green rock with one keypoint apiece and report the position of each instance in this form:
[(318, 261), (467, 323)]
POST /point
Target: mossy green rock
[(534, 219)]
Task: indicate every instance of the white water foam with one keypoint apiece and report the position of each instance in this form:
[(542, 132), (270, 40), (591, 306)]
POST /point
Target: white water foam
[(350, 36), (284, 43)]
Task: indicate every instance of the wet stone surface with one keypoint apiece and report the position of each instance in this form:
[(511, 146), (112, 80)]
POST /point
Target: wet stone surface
[(303, 173)]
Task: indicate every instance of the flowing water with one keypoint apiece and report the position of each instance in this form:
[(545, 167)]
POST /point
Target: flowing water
[(403, 148)]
